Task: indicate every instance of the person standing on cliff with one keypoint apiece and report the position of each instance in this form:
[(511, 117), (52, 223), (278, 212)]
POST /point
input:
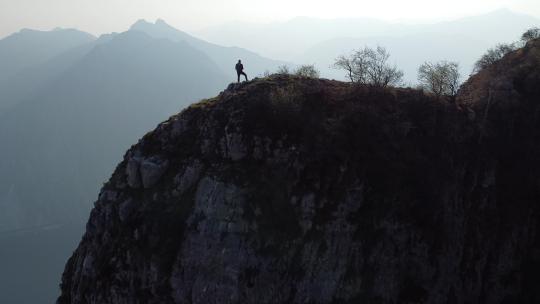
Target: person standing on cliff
[(240, 70)]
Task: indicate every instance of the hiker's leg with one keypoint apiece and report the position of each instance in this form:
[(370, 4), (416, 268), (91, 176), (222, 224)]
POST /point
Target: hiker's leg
[(238, 74), (245, 75)]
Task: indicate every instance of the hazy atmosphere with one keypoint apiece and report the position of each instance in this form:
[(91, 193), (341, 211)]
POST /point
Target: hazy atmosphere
[(104, 16), (294, 151)]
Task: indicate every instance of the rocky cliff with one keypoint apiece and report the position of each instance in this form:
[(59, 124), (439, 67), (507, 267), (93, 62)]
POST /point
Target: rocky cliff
[(294, 190)]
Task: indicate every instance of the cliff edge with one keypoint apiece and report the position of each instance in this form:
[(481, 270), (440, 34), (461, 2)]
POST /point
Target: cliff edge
[(296, 190)]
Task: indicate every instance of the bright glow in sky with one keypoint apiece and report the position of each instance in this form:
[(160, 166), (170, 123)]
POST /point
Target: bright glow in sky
[(103, 16)]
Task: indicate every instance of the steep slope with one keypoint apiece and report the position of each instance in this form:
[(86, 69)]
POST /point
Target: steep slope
[(291, 190), (224, 57)]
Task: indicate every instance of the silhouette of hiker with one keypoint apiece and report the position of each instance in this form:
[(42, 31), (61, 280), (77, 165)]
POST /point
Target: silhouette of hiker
[(240, 70)]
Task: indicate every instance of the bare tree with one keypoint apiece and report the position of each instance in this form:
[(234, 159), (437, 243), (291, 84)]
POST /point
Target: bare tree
[(283, 70), (379, 72), (530, 34), (307, 70), (346, 63), (493, 55), (370, 66), (453, 77), (440, 78), (355, 64)]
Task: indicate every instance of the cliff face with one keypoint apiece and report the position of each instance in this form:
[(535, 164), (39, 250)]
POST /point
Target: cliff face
[(291, 190)]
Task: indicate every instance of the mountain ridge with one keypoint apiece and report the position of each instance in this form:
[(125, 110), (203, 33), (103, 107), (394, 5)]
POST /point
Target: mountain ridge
[(28, 48), (225, 57)]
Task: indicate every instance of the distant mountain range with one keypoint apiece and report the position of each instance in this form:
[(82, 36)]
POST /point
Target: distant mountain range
[(70, 106), (67, 120), (222, 56), (29, 58), (68, 132), (28, 48), (320, 41)]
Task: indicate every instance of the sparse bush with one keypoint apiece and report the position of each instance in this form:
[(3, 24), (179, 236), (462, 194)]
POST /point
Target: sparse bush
[(440, 78), (530, 34), (307, 70), (284, 96), (493, 55), (370, 66), (283, 70), (285, 104)]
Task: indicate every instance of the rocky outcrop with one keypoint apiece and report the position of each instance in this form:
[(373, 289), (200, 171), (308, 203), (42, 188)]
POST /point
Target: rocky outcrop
[(294, 190), (145, 172)]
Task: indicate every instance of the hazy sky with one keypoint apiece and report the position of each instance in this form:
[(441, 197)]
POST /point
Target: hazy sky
[(102, 16)]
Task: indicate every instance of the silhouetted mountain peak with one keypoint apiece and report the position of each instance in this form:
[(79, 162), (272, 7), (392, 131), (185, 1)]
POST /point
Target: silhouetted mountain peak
[(162, 22), (159, 24), (139, 23), (160, 29)]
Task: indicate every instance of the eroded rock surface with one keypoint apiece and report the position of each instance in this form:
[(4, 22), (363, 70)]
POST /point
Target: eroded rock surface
[(291, 190)]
